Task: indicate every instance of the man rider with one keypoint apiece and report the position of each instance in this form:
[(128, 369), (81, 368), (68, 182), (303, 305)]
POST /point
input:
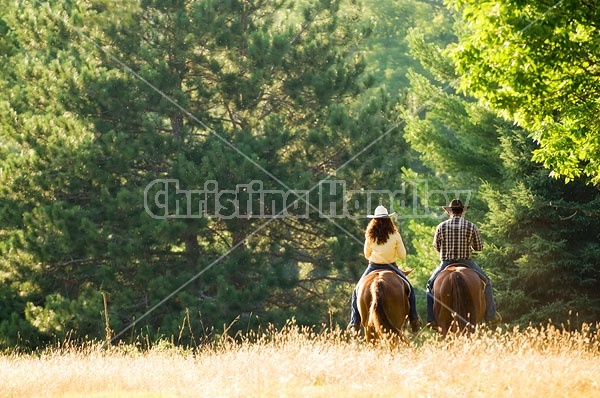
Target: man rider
[(455, 239)]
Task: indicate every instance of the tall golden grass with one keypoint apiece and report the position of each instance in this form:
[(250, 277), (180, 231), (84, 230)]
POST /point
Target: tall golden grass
[(299, 362)]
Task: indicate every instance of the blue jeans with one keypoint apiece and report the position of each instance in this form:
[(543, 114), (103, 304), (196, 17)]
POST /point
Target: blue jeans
[(490, 311), (354, 314)]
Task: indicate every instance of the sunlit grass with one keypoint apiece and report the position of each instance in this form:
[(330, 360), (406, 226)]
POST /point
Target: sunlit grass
[(297, 362)]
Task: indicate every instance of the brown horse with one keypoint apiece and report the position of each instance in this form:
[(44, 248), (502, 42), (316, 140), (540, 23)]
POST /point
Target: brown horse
[(383, 306), (459, 302)]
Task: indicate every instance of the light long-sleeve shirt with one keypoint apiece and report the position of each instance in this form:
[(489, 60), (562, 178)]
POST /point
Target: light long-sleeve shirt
[(387, 253), (456, 238)]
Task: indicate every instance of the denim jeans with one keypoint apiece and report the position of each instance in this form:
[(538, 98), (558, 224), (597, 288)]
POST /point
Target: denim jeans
[(354, 314), (490, 311)]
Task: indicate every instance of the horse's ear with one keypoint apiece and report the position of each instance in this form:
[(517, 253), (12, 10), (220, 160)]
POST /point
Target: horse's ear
[(408, 271)]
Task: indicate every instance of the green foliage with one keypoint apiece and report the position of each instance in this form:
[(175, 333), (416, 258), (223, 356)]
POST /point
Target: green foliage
[(388, 47), (536, 62)]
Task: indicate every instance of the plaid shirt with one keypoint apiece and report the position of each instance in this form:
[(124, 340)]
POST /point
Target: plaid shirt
[(455, 238)]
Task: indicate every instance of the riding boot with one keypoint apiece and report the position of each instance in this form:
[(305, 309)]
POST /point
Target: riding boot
[(413, 315), (430, 316), (354, 314)]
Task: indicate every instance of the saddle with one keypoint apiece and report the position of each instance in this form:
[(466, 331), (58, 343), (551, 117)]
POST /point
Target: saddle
[(457, 265), (405, 272)]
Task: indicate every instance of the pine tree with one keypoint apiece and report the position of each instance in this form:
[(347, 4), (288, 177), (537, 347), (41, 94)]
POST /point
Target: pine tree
[(544, 240), (107, 98)]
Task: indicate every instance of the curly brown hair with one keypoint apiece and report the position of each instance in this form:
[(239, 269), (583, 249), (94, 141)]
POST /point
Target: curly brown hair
[(380, 229)]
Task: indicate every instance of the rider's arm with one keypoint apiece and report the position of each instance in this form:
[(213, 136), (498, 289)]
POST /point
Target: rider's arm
[(399, 247), (437, 239), (477, 242), (367, 249)]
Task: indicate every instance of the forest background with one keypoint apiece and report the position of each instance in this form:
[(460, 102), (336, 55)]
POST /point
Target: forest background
[(103, 101)]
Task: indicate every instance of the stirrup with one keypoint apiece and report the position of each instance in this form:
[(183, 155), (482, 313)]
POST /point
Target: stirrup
[(432, 325), (353, 329), (416, 325)]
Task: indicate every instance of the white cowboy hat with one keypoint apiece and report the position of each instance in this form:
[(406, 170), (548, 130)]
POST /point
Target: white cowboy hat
[(381, 212)]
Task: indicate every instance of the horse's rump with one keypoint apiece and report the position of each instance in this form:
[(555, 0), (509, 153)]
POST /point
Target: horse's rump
[(459, 302), (383, 304)]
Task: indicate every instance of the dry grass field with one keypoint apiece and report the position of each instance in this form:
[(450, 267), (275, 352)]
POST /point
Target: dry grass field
[(295, 362)]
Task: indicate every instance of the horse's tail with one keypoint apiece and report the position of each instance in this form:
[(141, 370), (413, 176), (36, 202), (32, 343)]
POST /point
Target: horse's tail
[(462, 304), (379, 317)]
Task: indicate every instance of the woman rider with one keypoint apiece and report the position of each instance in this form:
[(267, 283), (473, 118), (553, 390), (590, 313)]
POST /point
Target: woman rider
[(383, 245)]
